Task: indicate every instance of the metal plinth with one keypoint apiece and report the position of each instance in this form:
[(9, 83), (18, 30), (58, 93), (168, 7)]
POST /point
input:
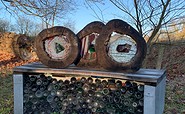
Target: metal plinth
[(154, 83)]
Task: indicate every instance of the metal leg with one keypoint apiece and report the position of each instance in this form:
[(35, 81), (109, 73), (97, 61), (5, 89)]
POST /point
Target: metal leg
[(154, 98), (149, 99), (18, 93)]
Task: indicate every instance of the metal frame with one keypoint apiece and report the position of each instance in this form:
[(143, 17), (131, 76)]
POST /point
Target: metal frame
[(154, 98), (18, 93), (154, 80)]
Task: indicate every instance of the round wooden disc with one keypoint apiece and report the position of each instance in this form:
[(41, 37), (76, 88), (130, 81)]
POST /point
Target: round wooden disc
[(102, 46), (22, 47), (57, 47), (88, 35)]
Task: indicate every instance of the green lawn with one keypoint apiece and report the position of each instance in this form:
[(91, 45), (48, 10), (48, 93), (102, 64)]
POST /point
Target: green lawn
[(6, 93), (174, 103)]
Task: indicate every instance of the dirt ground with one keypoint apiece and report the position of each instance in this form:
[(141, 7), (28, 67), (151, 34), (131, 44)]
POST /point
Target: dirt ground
[(173, 60), (9, 61)]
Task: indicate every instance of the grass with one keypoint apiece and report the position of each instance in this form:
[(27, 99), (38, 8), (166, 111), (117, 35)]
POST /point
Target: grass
[(6, 93), (174, 101), (175, 96)]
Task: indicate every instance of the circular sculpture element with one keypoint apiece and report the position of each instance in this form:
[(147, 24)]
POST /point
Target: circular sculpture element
[(125, 52), (88, 36), (22, 47), (123, 49), (57, 47)]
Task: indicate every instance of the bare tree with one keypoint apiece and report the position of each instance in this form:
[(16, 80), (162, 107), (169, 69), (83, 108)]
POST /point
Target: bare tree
[(47, 10), (24, 25), (70, 24), (37, 28), (5, 26), (149, 16)]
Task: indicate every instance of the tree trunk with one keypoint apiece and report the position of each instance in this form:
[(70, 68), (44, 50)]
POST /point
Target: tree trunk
[(160, 56)]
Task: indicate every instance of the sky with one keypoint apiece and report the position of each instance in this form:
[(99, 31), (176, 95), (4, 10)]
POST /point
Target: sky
[(85, 15), (82, 16)]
